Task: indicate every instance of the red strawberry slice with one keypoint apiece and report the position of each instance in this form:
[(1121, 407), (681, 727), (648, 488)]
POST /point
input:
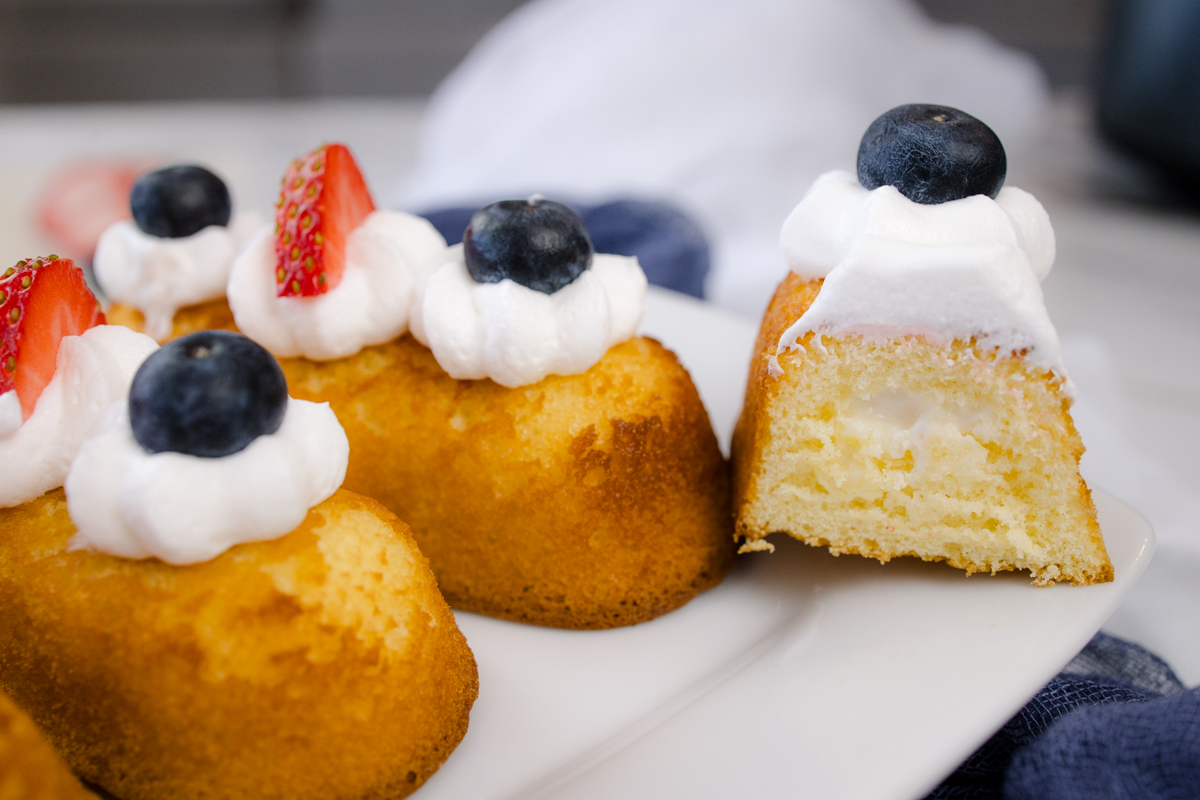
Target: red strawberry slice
[(323, 199), (83, 199), (41, 301)]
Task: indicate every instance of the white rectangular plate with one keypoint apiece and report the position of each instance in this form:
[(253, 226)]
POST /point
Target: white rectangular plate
[(802, 675)]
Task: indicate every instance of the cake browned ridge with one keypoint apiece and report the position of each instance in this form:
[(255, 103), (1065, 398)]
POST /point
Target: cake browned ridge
[(323, 664)]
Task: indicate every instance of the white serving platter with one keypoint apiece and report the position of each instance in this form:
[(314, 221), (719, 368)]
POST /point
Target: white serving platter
[(802, 675)]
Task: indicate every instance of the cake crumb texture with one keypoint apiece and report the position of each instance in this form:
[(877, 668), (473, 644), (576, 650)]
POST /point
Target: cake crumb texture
[(323, 664), (909, 447)]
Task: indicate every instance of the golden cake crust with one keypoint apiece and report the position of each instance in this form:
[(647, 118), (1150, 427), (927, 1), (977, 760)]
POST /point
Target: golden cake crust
[(1019, 505), (792, 298), (323, 664), (29, 767), (213, 315), (586, 501)]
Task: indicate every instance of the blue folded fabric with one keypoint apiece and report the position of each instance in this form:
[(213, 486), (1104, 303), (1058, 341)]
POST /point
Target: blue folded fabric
[(669, 245), (1148, 750), (1115, 723)]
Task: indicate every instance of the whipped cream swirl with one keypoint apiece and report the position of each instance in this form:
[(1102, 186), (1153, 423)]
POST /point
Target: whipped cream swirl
[(368, 306), (516, 335), (892, 267), (158, 276), (185, 509), (93, 370)]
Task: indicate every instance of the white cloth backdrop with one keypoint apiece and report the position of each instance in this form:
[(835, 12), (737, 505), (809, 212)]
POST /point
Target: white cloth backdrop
[(729, 108)]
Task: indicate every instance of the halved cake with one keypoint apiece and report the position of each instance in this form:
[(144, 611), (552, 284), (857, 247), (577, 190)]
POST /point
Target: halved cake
[(907, 395)]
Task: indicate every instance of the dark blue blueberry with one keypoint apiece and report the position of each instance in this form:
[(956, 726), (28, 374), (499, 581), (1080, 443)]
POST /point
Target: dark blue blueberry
[(178, 201), (932, 154), (206, 394), (536, 242)]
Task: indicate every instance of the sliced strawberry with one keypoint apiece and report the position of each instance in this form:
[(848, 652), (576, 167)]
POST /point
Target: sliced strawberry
[(41, 301), (83, 199), (322, 200)]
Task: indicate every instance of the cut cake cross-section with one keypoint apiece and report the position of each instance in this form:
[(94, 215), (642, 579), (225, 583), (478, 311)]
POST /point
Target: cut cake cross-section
[(908, 447)]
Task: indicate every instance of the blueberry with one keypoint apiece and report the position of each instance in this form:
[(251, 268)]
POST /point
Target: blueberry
[(206, 394), (536, 242), (178, 201), (932, 154)]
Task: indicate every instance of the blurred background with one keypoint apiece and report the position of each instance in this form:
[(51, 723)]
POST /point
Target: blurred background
[(119, 50), (103, 51), (726, 109)]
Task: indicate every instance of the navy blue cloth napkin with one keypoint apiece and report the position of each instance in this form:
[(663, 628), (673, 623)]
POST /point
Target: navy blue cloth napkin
[(1116, 723), (669, 245)]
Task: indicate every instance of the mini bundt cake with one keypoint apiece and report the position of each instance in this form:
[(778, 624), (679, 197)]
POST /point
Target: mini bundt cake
[(323, 664), (582, 501), (201, 612), (555, 468), (907, 396)]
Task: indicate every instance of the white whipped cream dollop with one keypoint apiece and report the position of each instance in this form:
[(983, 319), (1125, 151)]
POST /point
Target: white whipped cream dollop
[(158, 276), (893, 267), (93, 371), (186, 509), (516, 335), (10, 413), (368, 306)]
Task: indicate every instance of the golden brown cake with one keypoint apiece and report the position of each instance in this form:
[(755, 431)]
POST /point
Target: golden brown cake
[(587, 501), (809, 455), (213, 315), (29, 767), (323, 664)]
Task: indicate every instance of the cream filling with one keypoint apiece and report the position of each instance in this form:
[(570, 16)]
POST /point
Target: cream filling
[(892, 424)]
